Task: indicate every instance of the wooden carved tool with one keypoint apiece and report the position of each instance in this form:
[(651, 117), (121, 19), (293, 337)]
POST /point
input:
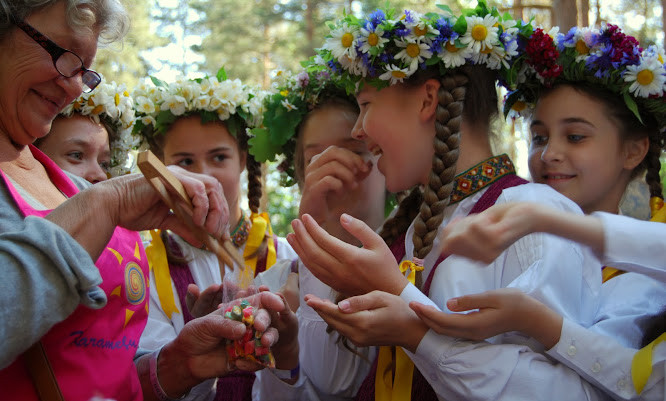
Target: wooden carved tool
[(167, 185)]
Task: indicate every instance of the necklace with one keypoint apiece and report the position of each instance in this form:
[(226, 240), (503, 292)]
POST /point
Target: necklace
[(242, 231)]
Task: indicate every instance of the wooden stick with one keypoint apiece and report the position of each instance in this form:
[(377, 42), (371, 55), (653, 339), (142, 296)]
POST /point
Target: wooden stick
[(166, 184)]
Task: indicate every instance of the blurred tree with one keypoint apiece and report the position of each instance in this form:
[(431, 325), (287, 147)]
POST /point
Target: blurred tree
[(126, 63)]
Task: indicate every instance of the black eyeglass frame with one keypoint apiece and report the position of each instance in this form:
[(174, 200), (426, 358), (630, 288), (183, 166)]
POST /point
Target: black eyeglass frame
[(91, 79)]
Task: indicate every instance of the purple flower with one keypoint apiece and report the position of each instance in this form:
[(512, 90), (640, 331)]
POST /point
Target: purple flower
[(374, 19), (409, 17), (303, 79)]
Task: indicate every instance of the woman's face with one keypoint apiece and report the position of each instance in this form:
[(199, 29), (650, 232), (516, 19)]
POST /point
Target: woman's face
[(396, 127), (207, 149), (32, 92), (79, 145), (332, 126), (576, 149)]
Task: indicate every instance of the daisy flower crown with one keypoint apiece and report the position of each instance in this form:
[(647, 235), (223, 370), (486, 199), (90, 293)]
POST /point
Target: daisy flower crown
[(292, 98), (386, 48), (112, 105), (604, 57), (213, 98)]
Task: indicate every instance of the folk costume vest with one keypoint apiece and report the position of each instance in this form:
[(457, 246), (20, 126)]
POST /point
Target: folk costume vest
[(92, 351), (496, 174)]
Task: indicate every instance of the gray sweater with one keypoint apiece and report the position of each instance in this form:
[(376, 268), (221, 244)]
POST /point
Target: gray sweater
[(46, 274)]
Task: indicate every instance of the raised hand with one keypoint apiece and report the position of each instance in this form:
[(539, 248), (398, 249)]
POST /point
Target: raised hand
[(346, 268), (202, 303)]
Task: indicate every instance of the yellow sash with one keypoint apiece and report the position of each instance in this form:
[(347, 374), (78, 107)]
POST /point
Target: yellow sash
[(386, 388), (159, 266), (260, 229), (641, 365)]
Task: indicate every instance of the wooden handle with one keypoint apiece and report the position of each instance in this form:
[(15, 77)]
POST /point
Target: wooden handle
[(166, 184)]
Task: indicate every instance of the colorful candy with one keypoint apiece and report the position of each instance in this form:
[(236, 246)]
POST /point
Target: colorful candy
[(249, 346)]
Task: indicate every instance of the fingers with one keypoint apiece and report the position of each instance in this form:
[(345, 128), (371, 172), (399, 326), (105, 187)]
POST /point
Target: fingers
[(191, 296), (368, 301), (312, 255), (368, 237), (469, 302)]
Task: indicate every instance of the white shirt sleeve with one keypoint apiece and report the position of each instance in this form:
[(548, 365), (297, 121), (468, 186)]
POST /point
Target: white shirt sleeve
[(634, 245), (468, 370), (606, 363)]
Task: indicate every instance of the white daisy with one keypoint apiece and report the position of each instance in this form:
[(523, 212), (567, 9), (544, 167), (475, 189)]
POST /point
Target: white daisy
[(419, 29), (342, 41), (395, 74), (413, 52), (287, 105), (647, 78), (481, 32), (453, 56), (175, 104), (372, 40)]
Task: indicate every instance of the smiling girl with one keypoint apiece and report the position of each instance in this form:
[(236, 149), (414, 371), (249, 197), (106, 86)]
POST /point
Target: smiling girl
[(426, 110)]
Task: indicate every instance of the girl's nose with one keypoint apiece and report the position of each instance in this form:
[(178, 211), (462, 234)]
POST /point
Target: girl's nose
[(357, 131)]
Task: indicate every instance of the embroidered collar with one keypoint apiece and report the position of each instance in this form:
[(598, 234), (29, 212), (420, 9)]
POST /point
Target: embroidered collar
[(242, 231), (479, 176)]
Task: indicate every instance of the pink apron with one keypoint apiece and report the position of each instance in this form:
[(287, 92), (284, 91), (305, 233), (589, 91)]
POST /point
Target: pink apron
[(92, 350)]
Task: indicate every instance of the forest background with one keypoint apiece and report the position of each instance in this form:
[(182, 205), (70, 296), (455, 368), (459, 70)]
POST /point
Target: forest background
[(254, 38)]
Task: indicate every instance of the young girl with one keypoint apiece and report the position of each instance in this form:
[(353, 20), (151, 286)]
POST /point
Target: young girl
[(570, 151), (200, 125), (401, 121), (92, 136), (336, 175)]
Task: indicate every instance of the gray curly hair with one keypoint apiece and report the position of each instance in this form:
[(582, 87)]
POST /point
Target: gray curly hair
[(109, 16)]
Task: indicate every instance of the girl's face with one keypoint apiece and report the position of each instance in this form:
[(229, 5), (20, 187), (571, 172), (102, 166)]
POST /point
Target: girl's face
[(332, 126), (577, 149), (397, 123), (207, 149), (79, 145)]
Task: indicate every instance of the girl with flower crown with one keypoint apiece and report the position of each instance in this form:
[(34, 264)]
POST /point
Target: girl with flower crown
[(309, 120), (92, 136), (414, 91), (590, 157), (200, 125)]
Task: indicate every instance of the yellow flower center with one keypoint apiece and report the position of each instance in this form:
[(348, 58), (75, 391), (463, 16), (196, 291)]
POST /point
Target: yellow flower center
[(347, 39), (661, 60), (398, 74), (479, 32), (519, 106), (645, 77), (418, 31), (373, 39), (413, 50), (98, 109), (487, 50), (91, 102), (581, 47), (116, 99), (284, 92), (450, 47)]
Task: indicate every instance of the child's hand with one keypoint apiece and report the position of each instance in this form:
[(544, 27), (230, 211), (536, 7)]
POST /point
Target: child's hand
[(202, 303), (329, 175), (346, 268), (499, 311), (376, 318), (486, 235)]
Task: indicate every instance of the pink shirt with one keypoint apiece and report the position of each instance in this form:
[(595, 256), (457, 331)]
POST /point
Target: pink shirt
[(92, 351)]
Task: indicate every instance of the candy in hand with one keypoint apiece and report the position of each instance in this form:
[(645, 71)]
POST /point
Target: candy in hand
[(249, 346)]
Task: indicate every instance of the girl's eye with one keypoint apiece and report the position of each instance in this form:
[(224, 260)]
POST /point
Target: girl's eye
[(219, 158), (105, 165), (538, 140), (575, 138), (185, 162), (75, 155)]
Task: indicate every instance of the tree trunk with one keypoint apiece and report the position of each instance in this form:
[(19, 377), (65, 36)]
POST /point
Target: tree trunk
[(584, 11), (309, 23), (518, 9), (565, 14)]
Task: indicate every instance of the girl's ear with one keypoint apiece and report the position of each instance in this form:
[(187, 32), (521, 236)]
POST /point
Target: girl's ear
[(635, 151), (430, 90)]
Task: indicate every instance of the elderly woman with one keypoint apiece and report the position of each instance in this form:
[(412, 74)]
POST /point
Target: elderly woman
[(62, 314)]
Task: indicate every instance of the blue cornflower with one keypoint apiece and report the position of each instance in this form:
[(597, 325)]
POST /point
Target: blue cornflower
[(374, 19)]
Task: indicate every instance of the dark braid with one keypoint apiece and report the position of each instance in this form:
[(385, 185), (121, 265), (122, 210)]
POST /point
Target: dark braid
[(406, 213), (653, 164), (440, 185), (254, 189)]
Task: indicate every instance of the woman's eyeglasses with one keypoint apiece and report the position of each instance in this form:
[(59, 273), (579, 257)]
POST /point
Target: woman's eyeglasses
[(66, 62)]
